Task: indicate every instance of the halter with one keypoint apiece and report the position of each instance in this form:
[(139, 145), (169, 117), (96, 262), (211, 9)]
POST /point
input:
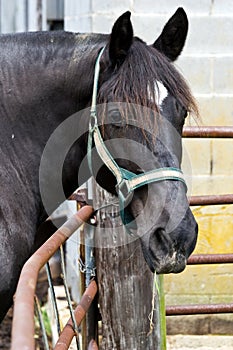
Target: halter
[(126, 180)]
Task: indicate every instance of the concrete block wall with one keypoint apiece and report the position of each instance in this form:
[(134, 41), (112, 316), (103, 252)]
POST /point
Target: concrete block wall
[(207, 64), (21, 16)]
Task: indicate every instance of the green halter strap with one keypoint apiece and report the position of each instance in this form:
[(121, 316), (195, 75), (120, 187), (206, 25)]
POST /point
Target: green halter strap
[(127, 181)]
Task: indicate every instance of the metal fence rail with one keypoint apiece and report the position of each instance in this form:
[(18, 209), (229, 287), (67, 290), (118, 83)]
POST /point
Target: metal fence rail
[(178, 310), (208, 131), (175, 310), (200, 259), (23, 328), (211, 199), (68, 332)]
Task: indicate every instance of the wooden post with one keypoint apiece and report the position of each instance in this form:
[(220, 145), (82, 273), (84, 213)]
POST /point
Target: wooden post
[(125, 286)]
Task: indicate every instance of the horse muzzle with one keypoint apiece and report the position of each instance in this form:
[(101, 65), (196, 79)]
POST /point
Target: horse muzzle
[(165, 264), (174, 264), (162, 252)]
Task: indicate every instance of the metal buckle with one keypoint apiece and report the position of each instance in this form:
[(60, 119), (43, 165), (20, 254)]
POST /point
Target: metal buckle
[(124, 192)]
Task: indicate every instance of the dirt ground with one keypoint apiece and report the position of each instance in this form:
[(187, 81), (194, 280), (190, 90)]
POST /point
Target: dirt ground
[(5, 326), (174, 342), (41, 292), (5, 331), (180, 342)]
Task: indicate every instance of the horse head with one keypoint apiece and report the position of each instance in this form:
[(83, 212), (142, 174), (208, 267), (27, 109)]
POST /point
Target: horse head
[(144, 102)]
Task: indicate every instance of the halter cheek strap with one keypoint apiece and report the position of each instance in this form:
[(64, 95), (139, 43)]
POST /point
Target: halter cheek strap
[(126, 180)]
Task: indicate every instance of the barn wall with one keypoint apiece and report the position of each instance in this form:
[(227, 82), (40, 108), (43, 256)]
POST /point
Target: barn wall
[(29, 15)]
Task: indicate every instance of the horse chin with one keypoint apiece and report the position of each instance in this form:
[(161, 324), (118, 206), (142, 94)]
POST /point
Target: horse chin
[(166, 264), (160, 253)]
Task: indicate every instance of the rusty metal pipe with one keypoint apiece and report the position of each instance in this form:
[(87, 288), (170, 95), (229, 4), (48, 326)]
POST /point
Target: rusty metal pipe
[(199, 259), (23, 317), (68, 332), (208, 131), (92, 345), (211, 199), (178, 310)]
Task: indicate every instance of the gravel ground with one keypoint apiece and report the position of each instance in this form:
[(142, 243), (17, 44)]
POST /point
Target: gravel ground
[(5, 326)]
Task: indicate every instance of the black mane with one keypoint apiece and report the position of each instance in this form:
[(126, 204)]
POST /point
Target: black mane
[(143, 66)]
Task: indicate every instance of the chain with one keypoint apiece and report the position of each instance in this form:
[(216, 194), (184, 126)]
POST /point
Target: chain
[(84, 268)]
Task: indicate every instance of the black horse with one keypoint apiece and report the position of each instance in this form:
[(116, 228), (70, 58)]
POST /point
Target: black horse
[(46, 77)]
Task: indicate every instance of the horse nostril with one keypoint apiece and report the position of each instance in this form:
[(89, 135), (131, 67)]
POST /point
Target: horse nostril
[(164, 256), (160, 243)]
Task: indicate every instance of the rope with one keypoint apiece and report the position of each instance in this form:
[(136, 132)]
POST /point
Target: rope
[(155, 292)]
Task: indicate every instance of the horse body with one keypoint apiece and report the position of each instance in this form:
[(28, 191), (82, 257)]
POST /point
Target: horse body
[(39, 89), (45, 78)]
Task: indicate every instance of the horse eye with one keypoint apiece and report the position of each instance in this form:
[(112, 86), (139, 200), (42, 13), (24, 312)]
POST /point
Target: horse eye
[(116, 117), (181, 110)]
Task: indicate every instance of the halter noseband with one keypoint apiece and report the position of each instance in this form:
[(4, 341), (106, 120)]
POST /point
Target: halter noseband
[(127, 181)]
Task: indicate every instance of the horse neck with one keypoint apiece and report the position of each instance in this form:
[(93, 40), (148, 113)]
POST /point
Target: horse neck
[(45, 79), (48, 76)]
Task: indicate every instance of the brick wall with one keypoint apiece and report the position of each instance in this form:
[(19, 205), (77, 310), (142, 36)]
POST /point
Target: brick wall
[(207, 64)]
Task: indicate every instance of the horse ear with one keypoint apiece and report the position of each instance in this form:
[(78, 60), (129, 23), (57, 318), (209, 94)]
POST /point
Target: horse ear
[(171, 40), (121, 39)]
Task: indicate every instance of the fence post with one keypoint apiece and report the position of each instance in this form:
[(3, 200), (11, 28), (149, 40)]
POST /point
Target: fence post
[(125, 286)]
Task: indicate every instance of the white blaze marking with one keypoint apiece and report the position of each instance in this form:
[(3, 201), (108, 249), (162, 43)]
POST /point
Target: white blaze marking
[(160, 93)]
